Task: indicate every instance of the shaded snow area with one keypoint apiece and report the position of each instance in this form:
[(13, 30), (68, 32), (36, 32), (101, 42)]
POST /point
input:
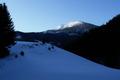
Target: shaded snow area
[(45, 62)]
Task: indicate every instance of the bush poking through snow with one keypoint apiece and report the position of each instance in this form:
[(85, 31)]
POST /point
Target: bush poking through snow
[(22, 53), (43, 42), (52, 47), (16, 56), (49, 49), (36, 44)]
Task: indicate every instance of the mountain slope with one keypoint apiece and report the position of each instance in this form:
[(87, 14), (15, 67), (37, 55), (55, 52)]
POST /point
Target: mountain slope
[(45, 62), (73, 27)]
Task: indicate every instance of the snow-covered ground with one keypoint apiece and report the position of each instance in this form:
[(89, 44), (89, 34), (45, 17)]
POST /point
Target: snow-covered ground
[(40, 63)]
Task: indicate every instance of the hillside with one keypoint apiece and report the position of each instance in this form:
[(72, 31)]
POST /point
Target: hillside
[(47, 62)]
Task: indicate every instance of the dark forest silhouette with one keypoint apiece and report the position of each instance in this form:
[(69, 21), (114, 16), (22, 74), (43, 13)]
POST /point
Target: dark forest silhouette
[(7, 34), (100, 44)]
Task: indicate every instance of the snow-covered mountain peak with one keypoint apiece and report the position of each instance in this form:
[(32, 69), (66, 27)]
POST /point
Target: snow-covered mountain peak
[(72, 24)]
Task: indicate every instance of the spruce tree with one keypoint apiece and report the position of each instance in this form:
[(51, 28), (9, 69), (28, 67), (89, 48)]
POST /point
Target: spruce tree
[(7, 33)]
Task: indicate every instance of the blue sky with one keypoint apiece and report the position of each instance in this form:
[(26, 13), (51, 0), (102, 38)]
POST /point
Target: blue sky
[(41, 15)]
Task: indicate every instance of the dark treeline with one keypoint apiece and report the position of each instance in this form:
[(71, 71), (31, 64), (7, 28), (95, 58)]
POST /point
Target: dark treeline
[(100, 44), (7, 34)]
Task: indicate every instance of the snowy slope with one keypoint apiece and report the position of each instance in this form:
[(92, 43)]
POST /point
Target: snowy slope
[(39, 63)]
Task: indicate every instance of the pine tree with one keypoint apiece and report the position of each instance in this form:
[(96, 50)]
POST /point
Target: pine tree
[(7, 33)]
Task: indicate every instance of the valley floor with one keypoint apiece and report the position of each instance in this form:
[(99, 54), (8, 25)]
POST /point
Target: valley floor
[(47, 62)]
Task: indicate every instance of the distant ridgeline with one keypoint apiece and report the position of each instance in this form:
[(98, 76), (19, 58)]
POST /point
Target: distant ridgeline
[(100, 44)]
